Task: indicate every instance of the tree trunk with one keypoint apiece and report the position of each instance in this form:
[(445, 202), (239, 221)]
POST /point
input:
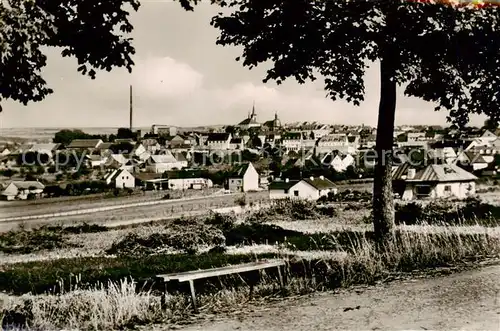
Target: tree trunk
[(383, 202)]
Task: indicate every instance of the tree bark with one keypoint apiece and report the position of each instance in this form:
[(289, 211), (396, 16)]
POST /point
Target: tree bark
[(383, 201)]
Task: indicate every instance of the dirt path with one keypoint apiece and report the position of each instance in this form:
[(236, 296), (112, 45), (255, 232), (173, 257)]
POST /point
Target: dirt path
[(463, 301)]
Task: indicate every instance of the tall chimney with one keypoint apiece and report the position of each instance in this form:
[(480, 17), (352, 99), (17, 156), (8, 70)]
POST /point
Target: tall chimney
[(131, 108)]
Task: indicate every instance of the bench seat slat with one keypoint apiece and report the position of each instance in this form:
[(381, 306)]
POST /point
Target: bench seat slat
[(232, 269)]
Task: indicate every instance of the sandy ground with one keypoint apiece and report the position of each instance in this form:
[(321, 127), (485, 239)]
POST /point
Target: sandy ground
[(464, 301)]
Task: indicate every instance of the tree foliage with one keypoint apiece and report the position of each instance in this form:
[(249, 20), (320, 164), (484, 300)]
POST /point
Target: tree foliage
[(93, 32), (445, 54)]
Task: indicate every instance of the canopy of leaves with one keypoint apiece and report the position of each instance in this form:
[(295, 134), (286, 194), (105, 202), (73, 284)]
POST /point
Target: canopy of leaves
[(91, 31), (445, 54)]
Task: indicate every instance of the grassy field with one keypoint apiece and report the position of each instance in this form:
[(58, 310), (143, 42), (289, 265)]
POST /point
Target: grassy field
[(95, 278)]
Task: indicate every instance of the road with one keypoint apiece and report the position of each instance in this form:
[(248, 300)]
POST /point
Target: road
[(149, 210), (464, 301)]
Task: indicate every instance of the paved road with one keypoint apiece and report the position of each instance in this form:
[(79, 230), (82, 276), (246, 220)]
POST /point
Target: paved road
[(463, 301)]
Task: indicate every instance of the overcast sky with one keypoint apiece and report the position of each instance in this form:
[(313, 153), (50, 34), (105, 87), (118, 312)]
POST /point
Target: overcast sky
[(182, 78)]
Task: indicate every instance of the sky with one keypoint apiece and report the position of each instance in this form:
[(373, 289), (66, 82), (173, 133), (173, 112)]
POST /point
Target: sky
[(182, 78)]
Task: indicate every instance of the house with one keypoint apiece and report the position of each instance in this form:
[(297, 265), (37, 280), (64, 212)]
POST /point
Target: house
[(179, 141), (165, 162), (236, 143), (119, 161), (104, 149), (22, 190), (445, 154), (243, 178), (5, 152), (120, 178), (487, 137), (307, 189), (85, 144), (138, 150), (48, 148), (433, 181), (473, 161), (335, 141), (95, 161), (292, 141), (338, 161), (152, 145), (189, 181), (219, 141)]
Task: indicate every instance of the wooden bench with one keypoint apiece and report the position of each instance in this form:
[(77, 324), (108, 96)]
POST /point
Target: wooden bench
[(191, 276)]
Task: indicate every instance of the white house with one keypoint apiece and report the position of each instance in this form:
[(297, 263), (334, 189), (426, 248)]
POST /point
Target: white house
[(335, 141), (21, 190), (292, 141), (433, 181), (338, 161), (96, 160), (244, 178), (162, 163), (119, 161), (219, 141), (120, 178), (5, 152), (474, 161), (192, 183), (487, 137), (306, 189)]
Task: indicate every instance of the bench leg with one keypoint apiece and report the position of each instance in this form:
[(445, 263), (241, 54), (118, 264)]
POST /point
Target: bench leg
[(164, 297), (193, 296), (280, 275)]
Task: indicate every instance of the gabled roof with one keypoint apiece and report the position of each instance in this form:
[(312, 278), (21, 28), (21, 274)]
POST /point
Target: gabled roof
[(104, 146), (320, 183), (218, 136), (85, 143), (25, 185), (112, 175), (236, 141), (475, 157), (282, 185), (433, 173), (169, 158), (248, 121), (240, 170)]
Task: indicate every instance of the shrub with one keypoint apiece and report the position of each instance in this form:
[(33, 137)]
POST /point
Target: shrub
[(469, 212), (223, 222), (188, 236), (241, 201), (29, 241)]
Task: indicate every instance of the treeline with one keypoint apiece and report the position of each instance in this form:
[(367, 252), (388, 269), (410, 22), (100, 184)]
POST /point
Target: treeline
[(66, 136)]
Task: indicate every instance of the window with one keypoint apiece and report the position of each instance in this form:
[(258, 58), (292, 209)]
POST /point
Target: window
[(296, 193), (286, 191), (447, 188), (423, 190)]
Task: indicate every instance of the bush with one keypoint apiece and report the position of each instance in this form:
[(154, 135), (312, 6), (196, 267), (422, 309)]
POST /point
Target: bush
[(469, 212), (241, 201), (185, 235), (29, 241)]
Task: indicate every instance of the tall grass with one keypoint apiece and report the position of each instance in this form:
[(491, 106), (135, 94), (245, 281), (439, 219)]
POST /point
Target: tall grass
[(120, 304)]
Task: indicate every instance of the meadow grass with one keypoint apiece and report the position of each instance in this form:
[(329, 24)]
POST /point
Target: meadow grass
[(113, 303)]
